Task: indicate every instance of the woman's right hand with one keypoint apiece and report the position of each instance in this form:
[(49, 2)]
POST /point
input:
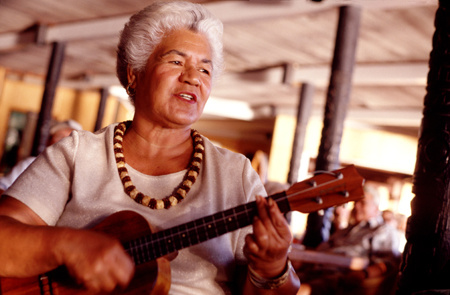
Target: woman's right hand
[(96, 261)]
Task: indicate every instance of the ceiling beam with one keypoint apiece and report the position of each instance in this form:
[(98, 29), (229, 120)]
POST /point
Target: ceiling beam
[(249, 11), (81, 30), (367, 75), (364, 74)]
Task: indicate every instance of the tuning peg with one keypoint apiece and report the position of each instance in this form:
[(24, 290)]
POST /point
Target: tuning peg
[(318, 200), (338, 175), (346, 194), (313, 183)]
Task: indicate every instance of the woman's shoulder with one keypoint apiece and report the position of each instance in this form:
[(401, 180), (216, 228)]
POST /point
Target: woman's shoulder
[(217, 151), (99, 135), (84, 140)]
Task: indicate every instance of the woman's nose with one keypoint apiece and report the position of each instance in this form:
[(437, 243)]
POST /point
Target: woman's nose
[(191, 76)]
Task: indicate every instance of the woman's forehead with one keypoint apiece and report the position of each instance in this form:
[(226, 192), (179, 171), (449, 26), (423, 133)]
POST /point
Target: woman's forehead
[(184, 40)]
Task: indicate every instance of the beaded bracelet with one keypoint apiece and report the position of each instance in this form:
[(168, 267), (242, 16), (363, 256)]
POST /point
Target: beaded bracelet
[(275, 283)]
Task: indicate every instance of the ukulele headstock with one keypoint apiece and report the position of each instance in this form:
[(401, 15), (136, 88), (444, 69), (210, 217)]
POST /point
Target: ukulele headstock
[(326, 189)]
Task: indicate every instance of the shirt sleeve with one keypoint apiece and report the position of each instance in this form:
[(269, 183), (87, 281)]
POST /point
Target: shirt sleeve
[(45, 186), (385, 245)]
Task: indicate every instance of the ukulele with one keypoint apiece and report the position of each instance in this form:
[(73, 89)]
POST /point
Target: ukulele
[(152, 275)]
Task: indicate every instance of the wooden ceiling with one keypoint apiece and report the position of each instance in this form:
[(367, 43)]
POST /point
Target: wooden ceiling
[(261, 38)]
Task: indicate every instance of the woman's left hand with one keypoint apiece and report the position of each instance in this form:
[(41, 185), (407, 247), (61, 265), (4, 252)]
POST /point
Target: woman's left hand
[(267, 248)]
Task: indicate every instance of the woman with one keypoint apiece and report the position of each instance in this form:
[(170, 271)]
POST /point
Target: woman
[(167, 57)]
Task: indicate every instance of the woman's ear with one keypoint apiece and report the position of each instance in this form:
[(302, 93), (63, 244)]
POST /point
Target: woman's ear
[(131, 77)]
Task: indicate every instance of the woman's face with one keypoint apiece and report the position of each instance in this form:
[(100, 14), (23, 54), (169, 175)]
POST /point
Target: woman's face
[(176, 83)]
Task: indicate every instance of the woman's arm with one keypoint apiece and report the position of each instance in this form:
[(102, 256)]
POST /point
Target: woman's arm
[(29, 247)]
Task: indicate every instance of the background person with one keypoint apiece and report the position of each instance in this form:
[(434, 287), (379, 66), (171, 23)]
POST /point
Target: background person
[(341, 217), (260, 162), (154, 165), (369, 237), (58, 131)]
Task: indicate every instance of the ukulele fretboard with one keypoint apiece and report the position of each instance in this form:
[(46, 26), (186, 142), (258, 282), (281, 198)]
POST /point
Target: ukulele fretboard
[(161, 243)]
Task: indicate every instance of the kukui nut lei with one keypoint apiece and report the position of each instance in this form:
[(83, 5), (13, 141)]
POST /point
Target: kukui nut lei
[(179, 193)]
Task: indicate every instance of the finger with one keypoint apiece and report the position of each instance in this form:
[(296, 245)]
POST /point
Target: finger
[(260, 234), (171, 256), (271, 217), (264, 215), (251, 245), (99, 280), (124, 272), (279, 222), (114, 269), (106, 283), (260, 237), (261, 205)]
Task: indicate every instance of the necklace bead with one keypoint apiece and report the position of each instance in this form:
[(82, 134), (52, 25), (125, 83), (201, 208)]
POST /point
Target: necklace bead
[(179, 193)]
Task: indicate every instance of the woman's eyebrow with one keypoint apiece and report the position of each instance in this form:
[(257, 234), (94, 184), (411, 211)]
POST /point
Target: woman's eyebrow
[(182, 54), (174, 51)]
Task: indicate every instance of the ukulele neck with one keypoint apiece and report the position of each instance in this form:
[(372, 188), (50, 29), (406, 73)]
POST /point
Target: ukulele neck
[(161, 243)]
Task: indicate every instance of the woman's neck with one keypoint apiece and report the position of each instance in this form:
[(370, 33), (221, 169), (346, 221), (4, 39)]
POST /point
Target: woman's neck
[(157, 151)]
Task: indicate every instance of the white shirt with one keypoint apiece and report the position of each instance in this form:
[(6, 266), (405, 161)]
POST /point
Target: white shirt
[(75, 183)]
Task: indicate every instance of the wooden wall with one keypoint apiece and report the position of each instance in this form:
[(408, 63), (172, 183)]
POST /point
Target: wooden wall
[(24, 94)]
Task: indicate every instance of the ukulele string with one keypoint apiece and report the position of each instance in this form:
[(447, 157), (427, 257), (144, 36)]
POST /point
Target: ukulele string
[(313, 187)]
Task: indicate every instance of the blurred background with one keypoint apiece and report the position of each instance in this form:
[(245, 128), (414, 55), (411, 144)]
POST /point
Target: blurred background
[(272, 49)]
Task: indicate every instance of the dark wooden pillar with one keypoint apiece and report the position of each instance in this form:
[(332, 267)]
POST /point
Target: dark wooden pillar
[(303, 115), (45, 114), (318, 225), (101, 108), (425, 265)]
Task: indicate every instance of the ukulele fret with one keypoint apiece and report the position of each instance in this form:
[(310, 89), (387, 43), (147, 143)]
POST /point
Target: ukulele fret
[(171, 242), (200, 230), (133, 250), (145, 249), (209, 229), (186, 237)]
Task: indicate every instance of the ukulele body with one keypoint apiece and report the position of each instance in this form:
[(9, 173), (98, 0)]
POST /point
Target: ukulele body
[(152, 277)]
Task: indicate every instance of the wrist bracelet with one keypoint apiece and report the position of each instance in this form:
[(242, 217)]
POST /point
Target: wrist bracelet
[(274, 283)]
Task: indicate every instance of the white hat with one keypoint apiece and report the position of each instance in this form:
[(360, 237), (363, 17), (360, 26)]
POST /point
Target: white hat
[(72, 124)]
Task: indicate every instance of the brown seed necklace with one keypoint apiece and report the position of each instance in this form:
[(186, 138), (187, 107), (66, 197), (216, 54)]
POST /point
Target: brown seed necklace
[(179, 193)]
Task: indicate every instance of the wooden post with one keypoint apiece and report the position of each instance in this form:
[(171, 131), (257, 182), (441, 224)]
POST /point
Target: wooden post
[(425, 265), (3, 112), (303, 115), (101, 108), (51, 82), (318, 225)]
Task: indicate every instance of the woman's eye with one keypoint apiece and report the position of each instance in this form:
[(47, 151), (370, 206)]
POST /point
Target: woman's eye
[(204, 71), (177, 62)]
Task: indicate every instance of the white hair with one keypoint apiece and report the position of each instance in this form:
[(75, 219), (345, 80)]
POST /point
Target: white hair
[(374, 192), (146, 29)]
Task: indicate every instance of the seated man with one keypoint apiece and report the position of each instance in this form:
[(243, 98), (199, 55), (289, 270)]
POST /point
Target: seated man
[(368, 237)]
